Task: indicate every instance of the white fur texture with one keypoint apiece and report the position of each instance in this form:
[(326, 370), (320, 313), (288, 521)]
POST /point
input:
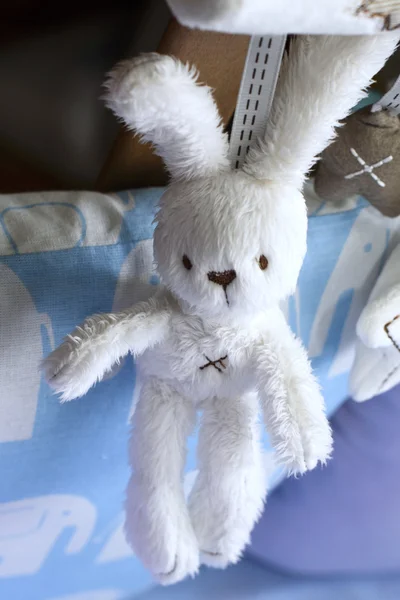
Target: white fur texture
[(214, 346), (299, 16), (93, 348), (155, 96), (292, 403)]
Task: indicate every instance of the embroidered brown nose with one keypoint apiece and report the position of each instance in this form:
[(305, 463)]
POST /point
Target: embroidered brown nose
[(223, 278)]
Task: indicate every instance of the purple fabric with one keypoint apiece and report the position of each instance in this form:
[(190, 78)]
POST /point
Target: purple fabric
[(345, 517)]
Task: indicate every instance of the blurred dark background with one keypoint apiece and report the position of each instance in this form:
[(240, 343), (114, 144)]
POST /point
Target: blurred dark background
[(54, 129)]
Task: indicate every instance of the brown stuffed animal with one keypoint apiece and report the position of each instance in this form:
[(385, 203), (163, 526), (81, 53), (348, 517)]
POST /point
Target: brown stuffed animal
[(364, 160)]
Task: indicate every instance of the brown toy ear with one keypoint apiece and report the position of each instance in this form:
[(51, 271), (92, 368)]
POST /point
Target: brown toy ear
[(364, 160)]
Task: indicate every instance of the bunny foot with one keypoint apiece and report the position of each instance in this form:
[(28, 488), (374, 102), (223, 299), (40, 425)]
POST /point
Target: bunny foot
[(318, 452), (318, 443), (227, 554), (223, 532), (186, 562), (160, 533), (308, 440)]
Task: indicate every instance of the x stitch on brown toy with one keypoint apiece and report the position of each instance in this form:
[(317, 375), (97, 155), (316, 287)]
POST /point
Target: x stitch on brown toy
[(364, 161)]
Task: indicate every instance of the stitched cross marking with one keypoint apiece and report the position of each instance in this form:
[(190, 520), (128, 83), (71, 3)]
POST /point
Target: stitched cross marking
[(368, 168), (215, 363)]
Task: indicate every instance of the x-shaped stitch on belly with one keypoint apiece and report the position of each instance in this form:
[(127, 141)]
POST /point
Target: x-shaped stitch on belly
[(215, 363), (368, 168)]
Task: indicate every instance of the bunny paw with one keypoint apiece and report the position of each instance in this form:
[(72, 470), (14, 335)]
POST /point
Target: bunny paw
[(318, 445), (289, 453), (317, 454), (70, 372), (308, 441), (316, 450)]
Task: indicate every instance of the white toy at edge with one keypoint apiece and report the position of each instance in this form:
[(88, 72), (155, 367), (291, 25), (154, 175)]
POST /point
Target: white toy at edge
[(376, 368), (229, 247)]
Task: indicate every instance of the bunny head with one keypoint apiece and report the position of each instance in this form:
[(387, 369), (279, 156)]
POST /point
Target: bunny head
[(228, 242), (228, 245)]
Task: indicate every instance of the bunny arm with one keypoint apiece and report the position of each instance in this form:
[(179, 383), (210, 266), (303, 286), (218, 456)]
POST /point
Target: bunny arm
[(101, 341), (320, 82), (229, 492), (292, 404), (157, 96)]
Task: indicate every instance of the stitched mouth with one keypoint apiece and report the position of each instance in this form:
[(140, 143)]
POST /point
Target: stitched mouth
[(226, 294)]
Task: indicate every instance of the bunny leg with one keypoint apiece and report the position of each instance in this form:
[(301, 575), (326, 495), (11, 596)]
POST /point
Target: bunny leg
[(229, 491), (157, 524)]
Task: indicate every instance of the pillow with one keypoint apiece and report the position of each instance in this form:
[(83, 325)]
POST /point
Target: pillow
[(64, 467)]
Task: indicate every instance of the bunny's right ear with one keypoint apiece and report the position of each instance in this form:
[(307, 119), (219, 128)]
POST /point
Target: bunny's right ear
[(321, 80), (158, 97)]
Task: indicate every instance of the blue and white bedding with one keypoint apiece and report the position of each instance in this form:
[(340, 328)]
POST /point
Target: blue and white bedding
[(64, 467)]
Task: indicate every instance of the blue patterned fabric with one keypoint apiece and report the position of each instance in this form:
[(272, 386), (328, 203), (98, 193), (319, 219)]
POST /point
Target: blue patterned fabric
[(64, 467)]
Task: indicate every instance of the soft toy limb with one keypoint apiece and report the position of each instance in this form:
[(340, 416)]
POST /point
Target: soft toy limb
[(102, 340), (374, 371), (292, 404), (157, 521), (379, 322), (376, 367), (157, 96), (229, 491)]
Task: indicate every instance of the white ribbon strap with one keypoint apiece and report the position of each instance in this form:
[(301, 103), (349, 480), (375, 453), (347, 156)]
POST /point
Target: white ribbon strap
[(390, 101), (256, 93)]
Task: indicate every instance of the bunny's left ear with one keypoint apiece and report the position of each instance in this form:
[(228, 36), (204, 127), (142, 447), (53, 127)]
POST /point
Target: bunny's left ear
[(321, 80), (158, 97)]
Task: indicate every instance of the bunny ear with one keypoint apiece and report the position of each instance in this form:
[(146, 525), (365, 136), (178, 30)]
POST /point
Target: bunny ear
[(321, 80), (158, 97)]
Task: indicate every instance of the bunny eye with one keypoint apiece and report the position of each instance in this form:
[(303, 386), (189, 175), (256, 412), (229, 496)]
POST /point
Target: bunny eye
[(263, 262), (187, 263)]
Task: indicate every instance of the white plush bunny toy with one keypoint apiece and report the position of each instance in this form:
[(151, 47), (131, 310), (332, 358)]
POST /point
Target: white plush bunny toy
[(229, 245)]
